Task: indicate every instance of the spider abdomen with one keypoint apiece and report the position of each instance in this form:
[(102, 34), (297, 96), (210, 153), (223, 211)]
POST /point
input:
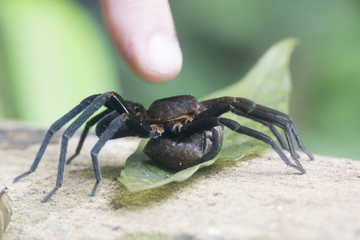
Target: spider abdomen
[(182, 152)]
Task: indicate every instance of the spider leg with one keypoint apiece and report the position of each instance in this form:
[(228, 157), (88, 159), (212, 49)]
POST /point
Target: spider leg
[(105, 136), (97, 103), (300, 142), (268, 117), (278, 136), (218, 106), (264, 138), (200, 125), (53, 129), (276, 133), (88, 125)]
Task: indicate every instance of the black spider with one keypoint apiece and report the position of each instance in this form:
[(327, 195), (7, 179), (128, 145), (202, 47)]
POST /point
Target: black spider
[(183, 132)]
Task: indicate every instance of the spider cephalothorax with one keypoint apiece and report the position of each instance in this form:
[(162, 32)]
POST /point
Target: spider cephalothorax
[(183, 132)]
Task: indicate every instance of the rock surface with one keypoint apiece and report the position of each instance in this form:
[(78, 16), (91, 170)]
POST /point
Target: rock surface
[(256, 199)]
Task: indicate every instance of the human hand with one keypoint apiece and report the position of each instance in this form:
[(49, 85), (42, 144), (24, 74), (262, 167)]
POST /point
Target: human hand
[(143, 31)]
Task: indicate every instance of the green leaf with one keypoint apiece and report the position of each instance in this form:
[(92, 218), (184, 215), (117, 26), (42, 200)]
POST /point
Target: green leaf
[(268, 83), (50, 50)]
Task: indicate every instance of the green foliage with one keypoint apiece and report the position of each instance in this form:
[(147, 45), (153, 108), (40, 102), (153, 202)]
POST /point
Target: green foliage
[(267, 83), (52, 55)]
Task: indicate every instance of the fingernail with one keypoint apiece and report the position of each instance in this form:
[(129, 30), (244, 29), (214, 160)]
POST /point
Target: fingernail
[(163, 56)]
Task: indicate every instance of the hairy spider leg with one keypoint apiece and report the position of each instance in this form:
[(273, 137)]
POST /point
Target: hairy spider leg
[(120, 125), (53, 129), (233, 125), (120, 106), (267, 116), (284, 125), (96, 104), (283, 143), (300, 142), (218, 106), (105, 136), (200, 125), (249, 109), (207, 123), (88, 125), (276, 133), (262, 114)]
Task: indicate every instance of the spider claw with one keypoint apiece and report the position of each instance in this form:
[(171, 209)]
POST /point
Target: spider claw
[(70, 159), (297, 164), (22, 175), (300, 169), (308, 154), (50, 195), (93, 191)]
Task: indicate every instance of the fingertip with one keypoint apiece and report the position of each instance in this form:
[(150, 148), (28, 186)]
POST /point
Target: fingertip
[(162, 59), (144, 33)]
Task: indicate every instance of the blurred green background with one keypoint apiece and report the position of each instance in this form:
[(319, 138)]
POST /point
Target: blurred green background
[(55, 53)]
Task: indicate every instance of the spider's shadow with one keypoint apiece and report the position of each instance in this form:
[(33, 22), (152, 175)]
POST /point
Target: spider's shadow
[(122, 198), (119, 195)]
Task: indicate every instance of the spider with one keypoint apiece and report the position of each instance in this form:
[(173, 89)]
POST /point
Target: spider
[(183, 131)]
